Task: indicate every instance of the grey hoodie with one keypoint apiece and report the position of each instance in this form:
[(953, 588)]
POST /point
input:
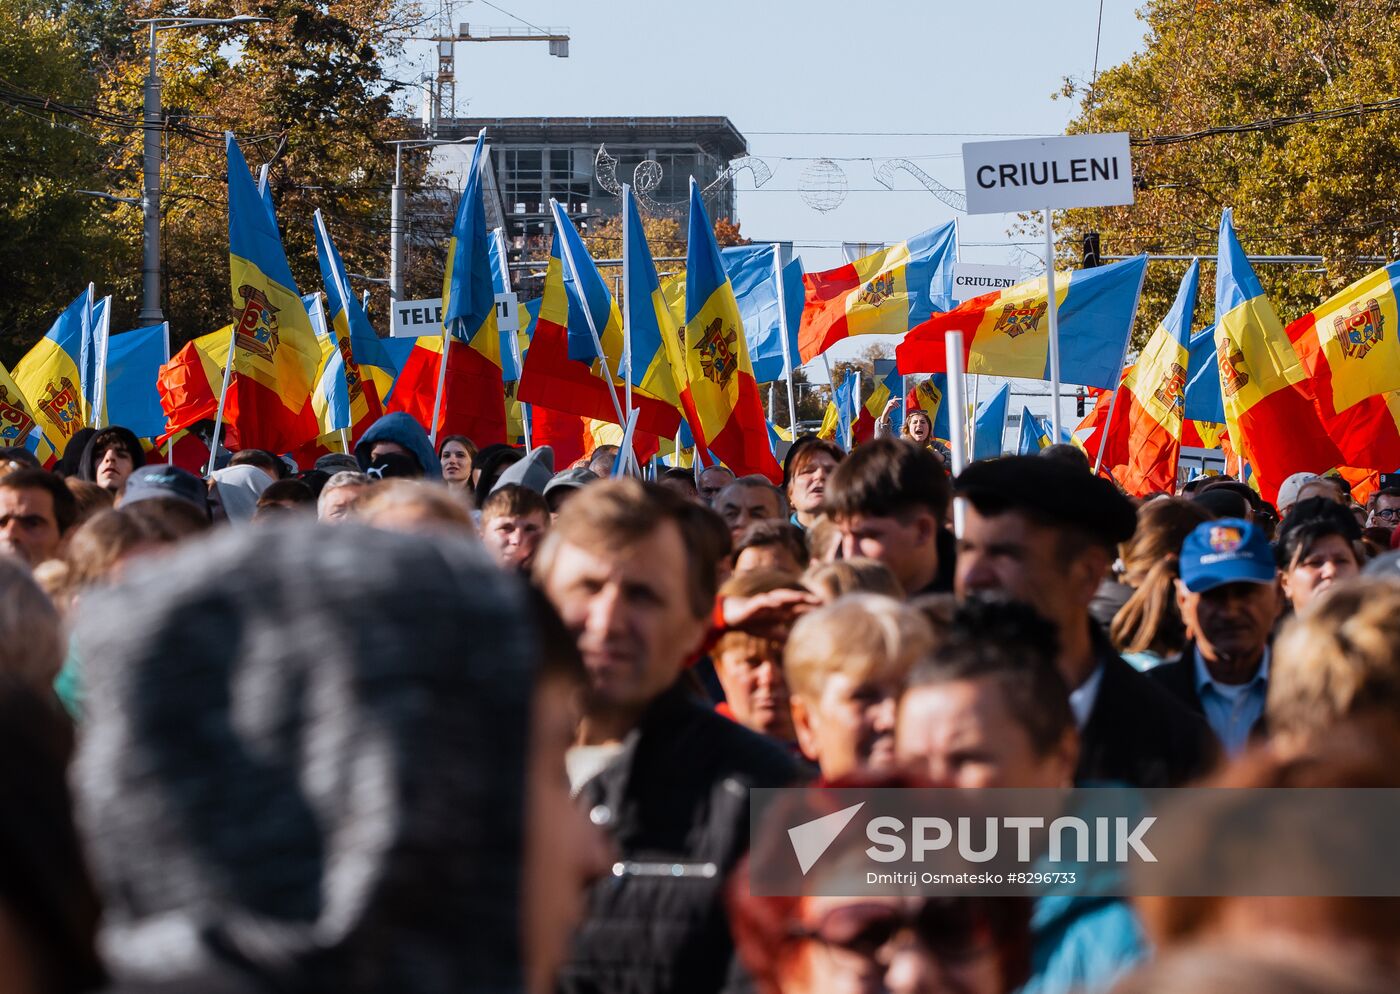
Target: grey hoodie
[(303, 763)]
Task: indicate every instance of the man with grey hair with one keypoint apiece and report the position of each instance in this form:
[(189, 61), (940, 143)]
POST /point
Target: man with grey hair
[(340, 495), (748, 500)]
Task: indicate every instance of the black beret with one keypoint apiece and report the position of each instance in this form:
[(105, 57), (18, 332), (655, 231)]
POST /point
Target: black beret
[(1049, 488)]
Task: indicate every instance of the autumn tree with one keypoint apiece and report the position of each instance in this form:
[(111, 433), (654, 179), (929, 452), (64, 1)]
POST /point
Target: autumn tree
[(50, 235), (306, 94), (1298, 185)]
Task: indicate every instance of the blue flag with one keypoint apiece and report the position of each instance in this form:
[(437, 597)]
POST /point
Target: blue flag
[(134, 359), (750, 270), (990, 424), (1204, 401)]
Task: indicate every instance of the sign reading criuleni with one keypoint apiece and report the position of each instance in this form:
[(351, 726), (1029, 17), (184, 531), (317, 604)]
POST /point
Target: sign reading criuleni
[(1035, 173)]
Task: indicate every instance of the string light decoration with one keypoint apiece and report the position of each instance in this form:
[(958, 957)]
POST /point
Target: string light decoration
[(822, 186)]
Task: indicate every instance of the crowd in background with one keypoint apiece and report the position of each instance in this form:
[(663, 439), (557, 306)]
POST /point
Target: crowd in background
[(426, 718)]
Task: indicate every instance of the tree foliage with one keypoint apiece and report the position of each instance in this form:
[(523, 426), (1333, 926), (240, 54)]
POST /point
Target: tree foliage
[(1329, 188)]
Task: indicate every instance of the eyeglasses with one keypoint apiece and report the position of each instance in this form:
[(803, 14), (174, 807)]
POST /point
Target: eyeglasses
[(1388, 513), (948, 929)]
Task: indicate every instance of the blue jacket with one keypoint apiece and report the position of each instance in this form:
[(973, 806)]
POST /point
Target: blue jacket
[(1081, 944), (401, 428)]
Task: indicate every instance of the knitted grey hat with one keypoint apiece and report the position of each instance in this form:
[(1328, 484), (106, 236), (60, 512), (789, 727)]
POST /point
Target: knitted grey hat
[(296, 770)]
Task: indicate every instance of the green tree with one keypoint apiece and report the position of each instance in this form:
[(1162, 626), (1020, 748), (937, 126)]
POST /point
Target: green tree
[(51, 239), (1329, 188)]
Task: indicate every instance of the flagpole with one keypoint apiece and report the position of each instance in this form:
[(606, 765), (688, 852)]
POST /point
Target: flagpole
[(1122, 361), (441, 383), (953, 346), (223, 394), (783, 331), (99, 390), (170, 443), (626, 336), (499, 235), (592, 327), (345, 439), (1054, 312)]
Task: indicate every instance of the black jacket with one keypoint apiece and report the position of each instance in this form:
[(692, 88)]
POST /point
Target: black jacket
[(1138, 733), (1178, 676), (678, 794)]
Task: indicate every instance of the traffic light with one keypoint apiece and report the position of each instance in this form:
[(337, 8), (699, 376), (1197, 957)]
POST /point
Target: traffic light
[(1091, 257), (1079, 398)]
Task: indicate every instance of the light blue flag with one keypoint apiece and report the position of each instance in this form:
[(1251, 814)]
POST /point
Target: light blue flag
[(750, 269), (1204, 401), (990, 424), (93, 356), (500, 283), (846, 400), (468, 297), (1034, 437), (134, 359)]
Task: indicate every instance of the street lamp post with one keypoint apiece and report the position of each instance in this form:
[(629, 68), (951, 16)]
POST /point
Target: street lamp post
[(150, 183), (396, 207)]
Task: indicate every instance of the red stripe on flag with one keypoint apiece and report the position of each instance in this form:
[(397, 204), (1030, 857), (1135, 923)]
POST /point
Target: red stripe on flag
[(550, 379), (923, 349), (742, 443), (473, 397), (824, 309)]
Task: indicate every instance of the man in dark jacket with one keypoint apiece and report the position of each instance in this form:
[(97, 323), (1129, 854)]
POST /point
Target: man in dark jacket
[(631, 568), (1045, 532), (1229, 599)]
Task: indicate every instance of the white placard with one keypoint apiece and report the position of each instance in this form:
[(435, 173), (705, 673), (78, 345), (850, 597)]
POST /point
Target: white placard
[(507, 312), (970, 280), (1035, 173), (412, 318)]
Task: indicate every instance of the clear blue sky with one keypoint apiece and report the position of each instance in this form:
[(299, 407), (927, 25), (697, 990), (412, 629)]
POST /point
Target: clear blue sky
[(930, 71)]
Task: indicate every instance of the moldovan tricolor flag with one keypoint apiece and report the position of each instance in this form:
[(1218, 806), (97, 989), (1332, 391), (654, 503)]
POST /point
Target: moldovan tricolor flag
[(50, 375), (189, 383), (275, 351), (550, 380), (17, 424), (1006, 332), (1272, 419), (367, 369), (888, 384), (1349, 348), (474, 393), (1144, 438), (729, 419), (884, 293), (649, 323)]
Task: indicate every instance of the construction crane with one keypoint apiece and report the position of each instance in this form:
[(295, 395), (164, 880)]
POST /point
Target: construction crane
[(442, 99)]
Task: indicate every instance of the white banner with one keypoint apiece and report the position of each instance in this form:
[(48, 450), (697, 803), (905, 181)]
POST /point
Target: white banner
[(411, 318), (1032, 174), (970, 280)]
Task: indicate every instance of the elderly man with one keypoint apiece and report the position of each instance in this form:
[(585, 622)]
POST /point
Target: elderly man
[(749, 500), (1045, 532), (631, 568), (1229, 599)]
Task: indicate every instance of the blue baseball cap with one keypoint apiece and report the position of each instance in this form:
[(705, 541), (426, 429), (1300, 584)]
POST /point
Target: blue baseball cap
[(1227, 550)]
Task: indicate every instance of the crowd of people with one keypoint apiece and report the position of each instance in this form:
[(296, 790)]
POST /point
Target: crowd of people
[(430, 718)]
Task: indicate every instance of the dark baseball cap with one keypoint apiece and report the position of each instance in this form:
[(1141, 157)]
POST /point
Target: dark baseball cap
[(162, 480), (1228, 550)]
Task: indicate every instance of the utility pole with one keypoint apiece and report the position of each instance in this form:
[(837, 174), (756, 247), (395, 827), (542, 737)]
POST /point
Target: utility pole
[(152, 127)]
